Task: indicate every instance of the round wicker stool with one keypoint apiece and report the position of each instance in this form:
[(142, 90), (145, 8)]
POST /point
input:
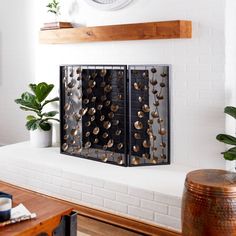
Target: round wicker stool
[(209, 203)]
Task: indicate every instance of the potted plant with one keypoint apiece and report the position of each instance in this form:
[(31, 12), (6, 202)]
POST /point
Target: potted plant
[(53, 7), (39, 124), (229, 154)]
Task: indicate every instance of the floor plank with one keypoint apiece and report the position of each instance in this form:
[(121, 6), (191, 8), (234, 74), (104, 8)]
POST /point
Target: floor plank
[(90, 227)]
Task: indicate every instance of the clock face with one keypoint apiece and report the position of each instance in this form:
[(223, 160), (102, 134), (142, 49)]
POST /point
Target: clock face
[(108, 4)]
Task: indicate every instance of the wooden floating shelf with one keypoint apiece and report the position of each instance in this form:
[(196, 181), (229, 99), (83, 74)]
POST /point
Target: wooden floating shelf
[(140, 31)]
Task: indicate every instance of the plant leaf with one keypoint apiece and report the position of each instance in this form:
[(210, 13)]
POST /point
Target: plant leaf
[(42, 90), (231, 111), (28, 100), (32, 124), (32, 87), (28, 109), (50, 113), (45, 126), (51, 100), (30, 117), (52, 11), (225, 138), (230, 155)]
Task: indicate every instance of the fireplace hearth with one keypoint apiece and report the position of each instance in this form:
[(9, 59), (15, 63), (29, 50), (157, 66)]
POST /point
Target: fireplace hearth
[(116, 114)]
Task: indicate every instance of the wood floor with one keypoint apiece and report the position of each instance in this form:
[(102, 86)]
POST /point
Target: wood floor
[(90, 227)]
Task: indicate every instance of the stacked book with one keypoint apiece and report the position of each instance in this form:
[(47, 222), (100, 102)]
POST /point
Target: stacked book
[(56, 25), (18, 214)]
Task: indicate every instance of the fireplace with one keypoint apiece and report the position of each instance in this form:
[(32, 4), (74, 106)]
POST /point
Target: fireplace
[(116, 114)]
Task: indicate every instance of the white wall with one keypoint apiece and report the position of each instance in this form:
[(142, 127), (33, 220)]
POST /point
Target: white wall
[(197, 94), (17, 45), (230, 81)]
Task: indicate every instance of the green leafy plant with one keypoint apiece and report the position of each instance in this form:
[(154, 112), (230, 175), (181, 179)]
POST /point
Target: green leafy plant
[(54, 7), (35, 102), (230, 154)]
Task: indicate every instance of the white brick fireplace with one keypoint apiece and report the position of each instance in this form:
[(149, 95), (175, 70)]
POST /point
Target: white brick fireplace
[(151, 194), (198, 68), (202, 75)]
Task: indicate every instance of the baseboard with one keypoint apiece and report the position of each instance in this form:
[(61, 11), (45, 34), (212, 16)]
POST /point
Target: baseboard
[(115, 219), (124, 222)]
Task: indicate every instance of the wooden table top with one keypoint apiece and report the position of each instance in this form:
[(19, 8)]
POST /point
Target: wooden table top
[(49, 212)]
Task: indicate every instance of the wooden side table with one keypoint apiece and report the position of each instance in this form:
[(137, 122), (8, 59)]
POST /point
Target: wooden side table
[(209, 203), (49, 212)]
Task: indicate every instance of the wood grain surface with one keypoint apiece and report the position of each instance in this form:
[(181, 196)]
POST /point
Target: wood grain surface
[(139, 31), (48, 212)]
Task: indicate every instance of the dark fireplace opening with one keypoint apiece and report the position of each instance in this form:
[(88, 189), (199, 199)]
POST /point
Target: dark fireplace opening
[(116, 114)]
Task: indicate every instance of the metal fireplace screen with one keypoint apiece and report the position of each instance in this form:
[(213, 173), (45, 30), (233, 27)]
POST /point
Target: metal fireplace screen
[(116, 114)]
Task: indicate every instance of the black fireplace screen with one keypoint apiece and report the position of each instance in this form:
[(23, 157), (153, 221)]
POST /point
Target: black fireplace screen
[(116, 114)]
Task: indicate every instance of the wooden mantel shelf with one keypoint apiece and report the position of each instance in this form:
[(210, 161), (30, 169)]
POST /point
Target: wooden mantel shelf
[(139, 31)]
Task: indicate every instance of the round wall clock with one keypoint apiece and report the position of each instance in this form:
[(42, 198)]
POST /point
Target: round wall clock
[(109, 4)]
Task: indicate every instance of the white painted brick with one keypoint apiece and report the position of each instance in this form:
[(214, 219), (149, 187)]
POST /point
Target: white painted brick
[(116, 206), (127, 199), (93, 181), (167, 199), (157, 207), (56, 181), (87, 188), (174, 211), (65, 183), (168, 221), (217, 68), (72, 176), (116, 187), (89, 198), (51, 188), (141, 193), (35, 183), (104, 193), (198, 68), (50, 170), (141, 213), (29, 173), (69, 193), (44, 177)]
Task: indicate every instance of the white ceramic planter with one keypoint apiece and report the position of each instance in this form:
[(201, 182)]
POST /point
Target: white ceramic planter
[(40, 138), (56, 134), (230, 165)]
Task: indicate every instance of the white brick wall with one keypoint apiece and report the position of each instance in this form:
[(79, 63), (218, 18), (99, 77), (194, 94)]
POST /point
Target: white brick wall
[(140, 213), (166, 199), (116, 187), (198, 75), (141, 193), (127, 199), (197, 101), (230, 85), (116, 206), (104, 193), (168, 221), (53, 178), (155, 206)]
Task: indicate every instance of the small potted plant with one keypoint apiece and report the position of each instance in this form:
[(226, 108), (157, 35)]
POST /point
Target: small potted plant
[(53, 7), (39, 124), (230, 154)]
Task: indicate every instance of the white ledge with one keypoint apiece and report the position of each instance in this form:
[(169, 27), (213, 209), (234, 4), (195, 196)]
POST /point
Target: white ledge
[(96, 184)]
